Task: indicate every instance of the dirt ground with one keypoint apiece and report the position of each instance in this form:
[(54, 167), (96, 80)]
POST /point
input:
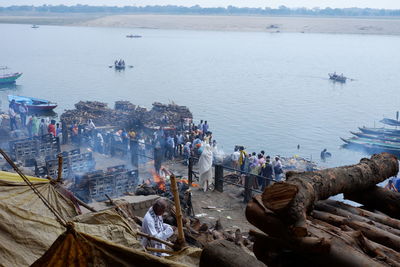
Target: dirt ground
[(210, 206)]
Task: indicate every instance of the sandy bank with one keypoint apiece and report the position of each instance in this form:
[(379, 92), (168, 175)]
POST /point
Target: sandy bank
[(251, 23), (51, 19), (383, 26)]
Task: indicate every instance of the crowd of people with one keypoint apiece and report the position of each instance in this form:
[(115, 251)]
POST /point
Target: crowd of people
[(34, 125), (260, 165), (187, 142)]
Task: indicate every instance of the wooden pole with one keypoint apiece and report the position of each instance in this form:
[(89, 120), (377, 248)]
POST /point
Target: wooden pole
[(190, 171), (247, 188), (80, 202), (155, 239), (60, 165), (219, 178), (174, 188)]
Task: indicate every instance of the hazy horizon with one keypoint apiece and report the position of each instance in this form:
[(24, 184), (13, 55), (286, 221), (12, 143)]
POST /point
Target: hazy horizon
[(385, 4)]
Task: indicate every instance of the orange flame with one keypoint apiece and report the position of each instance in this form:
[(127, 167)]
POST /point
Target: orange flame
[(159, 180)]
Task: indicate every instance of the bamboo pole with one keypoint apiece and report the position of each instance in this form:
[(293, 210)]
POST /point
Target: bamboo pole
[(155, 239), (80, 202), (174, 188), (60, 164)]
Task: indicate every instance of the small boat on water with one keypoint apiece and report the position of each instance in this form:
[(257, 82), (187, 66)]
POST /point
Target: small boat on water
[(34, 26), (9, 78), (337, 78), (33, 104), (119, 64), (133, 36)]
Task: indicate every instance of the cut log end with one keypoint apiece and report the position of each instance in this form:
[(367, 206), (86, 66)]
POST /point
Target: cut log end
[(300, 231), (278, 196)]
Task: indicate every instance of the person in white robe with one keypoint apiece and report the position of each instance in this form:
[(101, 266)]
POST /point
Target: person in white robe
[(153, 225), (205, 167)]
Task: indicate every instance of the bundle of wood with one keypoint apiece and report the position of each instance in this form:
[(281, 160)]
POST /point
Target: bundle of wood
[(124, 106), (170, 114), (126, 114), (300, 225), (99, 112)]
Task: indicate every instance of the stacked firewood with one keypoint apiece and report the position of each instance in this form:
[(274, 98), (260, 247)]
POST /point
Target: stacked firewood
[(299, 226), (126, 114)]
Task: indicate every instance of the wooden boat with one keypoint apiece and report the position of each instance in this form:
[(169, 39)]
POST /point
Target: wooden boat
[(119, 67), (372, 147), (337, 78), (390, 122), (377, 137), (133, 36), (119, 64), (33, 104), (9, 78), (380, 131)]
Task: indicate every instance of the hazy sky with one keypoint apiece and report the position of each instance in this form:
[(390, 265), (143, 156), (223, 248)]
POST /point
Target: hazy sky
[(389, 4)]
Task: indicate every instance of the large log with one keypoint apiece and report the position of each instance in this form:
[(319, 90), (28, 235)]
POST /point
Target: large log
[(371, 232), (376, 250), (223, 253), (378, 198), (295, 197), (383, 219), (321, 206), (265, 220), (330, 249)]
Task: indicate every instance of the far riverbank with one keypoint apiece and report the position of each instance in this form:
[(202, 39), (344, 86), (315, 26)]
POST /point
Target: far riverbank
[(376, 26)]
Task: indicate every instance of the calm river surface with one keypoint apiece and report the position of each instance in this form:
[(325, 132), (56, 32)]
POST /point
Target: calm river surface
[(265, 91)]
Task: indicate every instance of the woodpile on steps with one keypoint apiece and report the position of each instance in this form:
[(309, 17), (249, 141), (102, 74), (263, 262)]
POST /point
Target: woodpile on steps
[(126, 114), (299, 226)]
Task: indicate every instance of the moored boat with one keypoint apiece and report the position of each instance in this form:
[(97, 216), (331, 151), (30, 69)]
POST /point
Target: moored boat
[(34, 26), (380, 131), (390, 122), (9, 78), (371, 146), (33, 104), (377, 137)]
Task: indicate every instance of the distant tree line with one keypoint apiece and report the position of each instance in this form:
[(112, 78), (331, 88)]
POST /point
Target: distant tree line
[(198, 10)]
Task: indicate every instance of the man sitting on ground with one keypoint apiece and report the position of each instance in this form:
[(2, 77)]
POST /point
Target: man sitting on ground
[(153, 225)]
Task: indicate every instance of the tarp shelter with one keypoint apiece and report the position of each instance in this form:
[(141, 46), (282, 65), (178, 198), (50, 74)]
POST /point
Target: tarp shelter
[(30, 233)]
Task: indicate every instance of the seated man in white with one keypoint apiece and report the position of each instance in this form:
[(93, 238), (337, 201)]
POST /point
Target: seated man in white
[(153, 225)]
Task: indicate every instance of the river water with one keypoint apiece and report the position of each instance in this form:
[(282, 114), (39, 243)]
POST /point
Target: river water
[(261, 90)]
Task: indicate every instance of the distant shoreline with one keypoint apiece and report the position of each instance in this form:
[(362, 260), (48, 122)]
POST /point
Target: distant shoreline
[(273, 24)]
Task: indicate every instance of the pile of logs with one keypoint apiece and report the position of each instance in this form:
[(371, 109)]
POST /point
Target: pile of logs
[(300, 225), (172, 113), (126, 114)]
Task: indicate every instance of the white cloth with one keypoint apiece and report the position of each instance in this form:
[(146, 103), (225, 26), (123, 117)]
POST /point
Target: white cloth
[(205, 165), (91, 125), (153, 225), (235, 156)]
